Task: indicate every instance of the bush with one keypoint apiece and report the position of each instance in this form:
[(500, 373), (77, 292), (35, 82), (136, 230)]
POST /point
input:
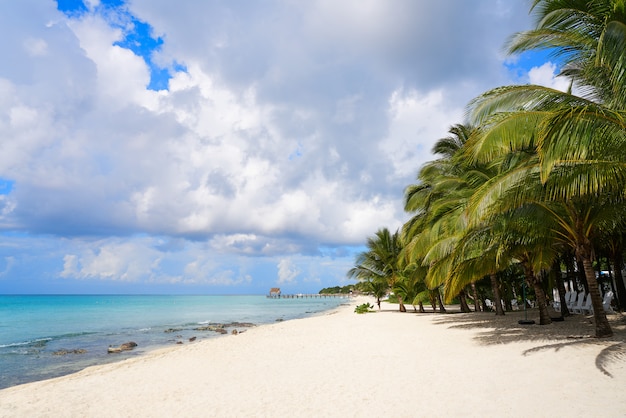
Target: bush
[(364, 308)]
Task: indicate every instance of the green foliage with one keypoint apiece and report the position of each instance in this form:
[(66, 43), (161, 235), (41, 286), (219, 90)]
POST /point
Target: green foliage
[(393, 298), (363, 308), (338, 290), (536, 175)]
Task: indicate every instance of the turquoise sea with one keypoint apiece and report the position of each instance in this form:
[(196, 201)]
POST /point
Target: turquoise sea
[(34, 328)]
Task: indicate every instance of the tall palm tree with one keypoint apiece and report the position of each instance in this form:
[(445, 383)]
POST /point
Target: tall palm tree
[(579, 170), (580, 200), (439, 222)]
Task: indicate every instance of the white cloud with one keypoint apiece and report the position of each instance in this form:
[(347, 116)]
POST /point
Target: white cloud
[(287, 272), (117, 260), (417, 121), (545, 75), (122, 77), (277, 141), (8, 264), (36, 47)]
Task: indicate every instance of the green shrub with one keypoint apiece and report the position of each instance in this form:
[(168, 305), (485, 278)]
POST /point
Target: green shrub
[(364, 308)]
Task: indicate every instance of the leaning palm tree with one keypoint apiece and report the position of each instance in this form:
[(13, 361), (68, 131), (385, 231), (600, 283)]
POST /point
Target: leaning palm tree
[(579, 206), (578, 140), (439, 223)]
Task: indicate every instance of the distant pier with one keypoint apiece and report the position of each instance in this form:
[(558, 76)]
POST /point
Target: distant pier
[(308, 296)]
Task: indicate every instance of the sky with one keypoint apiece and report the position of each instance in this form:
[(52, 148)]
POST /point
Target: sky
[(227, 147)]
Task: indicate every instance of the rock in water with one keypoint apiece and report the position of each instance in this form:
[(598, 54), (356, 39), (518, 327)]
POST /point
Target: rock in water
[(124, 347)]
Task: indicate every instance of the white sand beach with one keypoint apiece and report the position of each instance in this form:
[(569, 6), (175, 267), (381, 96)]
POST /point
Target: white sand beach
[(340, 364)]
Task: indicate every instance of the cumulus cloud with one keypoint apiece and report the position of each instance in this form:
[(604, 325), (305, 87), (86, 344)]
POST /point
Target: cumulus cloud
[(287, 271), (546, 75), (8, 263), (124, 261), (286, 129)]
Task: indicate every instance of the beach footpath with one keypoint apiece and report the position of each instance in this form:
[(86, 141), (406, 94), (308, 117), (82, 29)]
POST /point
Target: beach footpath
[(343, 364)]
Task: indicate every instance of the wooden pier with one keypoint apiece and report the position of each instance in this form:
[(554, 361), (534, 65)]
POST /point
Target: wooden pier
[(308, 296)]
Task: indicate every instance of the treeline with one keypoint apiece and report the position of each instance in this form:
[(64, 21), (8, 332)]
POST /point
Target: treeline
[(343, 290), (529, 189)]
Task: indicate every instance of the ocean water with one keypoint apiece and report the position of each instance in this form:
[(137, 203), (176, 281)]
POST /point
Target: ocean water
[(35, 327)]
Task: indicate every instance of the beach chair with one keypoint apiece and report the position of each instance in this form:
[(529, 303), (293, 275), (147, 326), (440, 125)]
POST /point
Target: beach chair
[(588, 306), (606, 302), (556, 302), (488, 304), (567, 295), (572, 300), (577, 308)]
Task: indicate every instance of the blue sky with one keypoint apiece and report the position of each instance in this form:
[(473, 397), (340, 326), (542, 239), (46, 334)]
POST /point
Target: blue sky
[(151, 146)]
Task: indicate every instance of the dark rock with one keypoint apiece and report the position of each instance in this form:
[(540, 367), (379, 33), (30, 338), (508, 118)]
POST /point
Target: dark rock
[(215, 328), (64, 352), (124, 347), (234, 332), (192, 339), (241, 325), (129, 345), (172, 330)]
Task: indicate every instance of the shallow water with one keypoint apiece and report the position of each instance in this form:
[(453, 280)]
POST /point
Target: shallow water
[(33, 328)]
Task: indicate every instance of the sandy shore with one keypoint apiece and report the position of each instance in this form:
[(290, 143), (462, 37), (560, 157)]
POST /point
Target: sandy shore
[(347, 365)]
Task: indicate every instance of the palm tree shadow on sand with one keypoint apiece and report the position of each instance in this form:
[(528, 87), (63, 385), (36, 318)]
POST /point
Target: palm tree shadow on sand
[(576, 330)]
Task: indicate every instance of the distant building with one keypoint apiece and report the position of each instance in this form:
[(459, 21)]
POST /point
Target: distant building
[(275, 292)]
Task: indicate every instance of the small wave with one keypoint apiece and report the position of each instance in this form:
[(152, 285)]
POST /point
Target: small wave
[(39, 341), (145, 329), (72, 335), (204, 322)]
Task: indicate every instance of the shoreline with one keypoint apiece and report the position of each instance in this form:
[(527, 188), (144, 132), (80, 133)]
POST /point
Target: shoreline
[(338, 363), (36, 351)]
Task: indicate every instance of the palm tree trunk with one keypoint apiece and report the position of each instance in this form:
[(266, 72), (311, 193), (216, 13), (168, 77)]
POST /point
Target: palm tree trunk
[(400, 302), (570, 261), (582, 275), (476, 300), (422, 307), (507, 298), (556, 270), (496, 294), (563, 303), (603, 328), (442, 308), (534, 280), (463, 300)]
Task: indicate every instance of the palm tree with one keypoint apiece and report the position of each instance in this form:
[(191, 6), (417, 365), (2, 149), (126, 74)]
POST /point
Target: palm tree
[(579, 170), (588, 37), (377, 288), (439, 222), (381, 261)]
